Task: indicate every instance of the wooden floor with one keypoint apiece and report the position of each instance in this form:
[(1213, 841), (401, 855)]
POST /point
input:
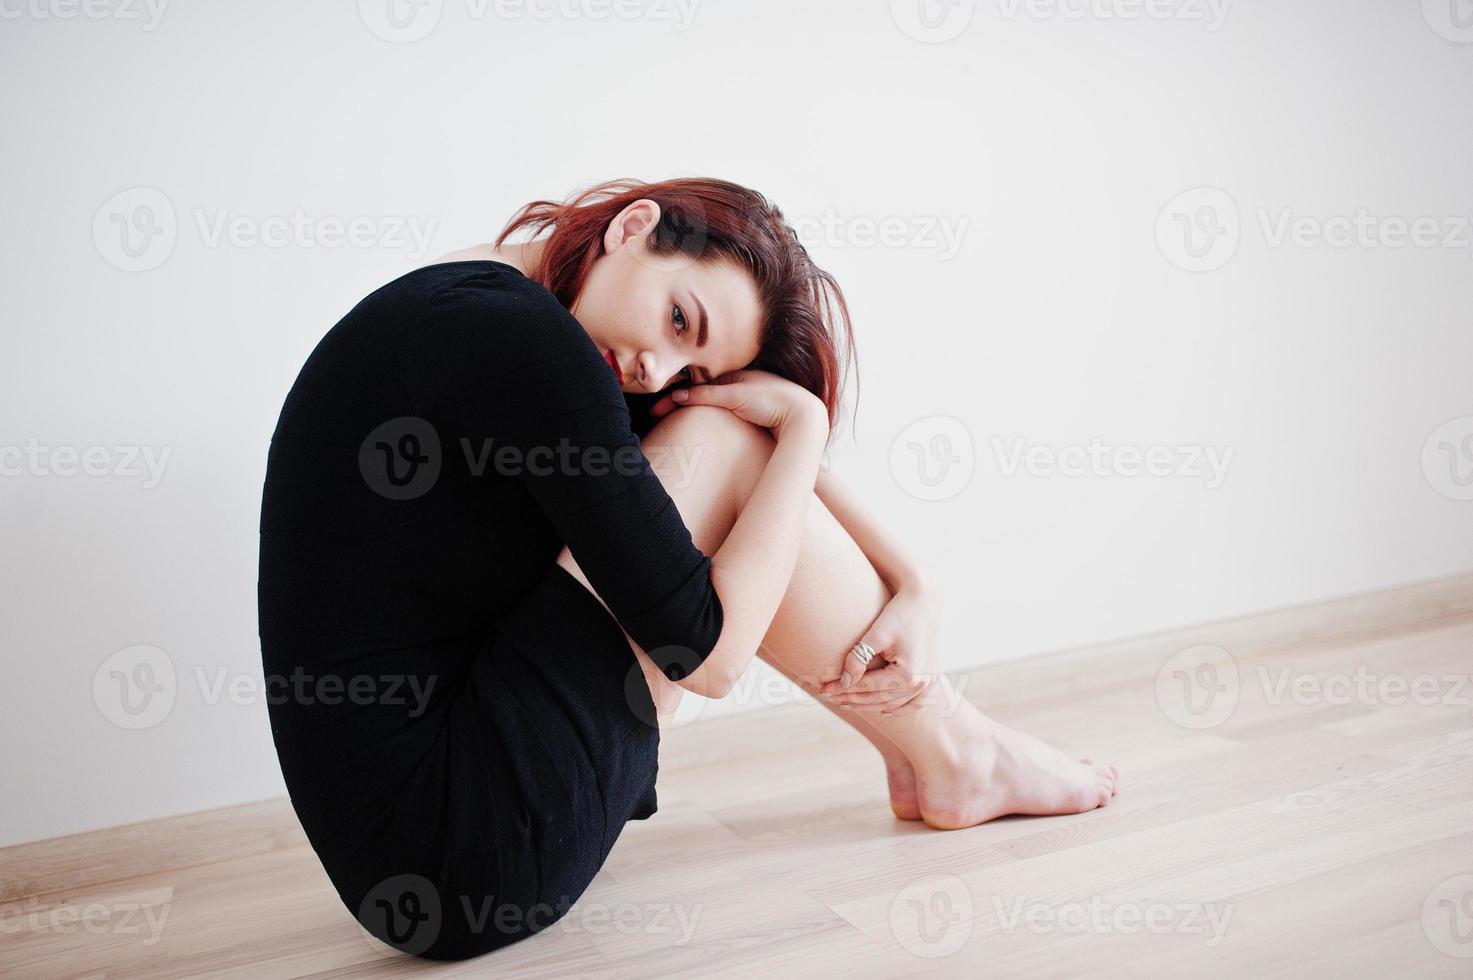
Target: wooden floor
[(1323, 828)]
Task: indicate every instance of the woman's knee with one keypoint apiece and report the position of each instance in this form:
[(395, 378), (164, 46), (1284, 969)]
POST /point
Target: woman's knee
[(704, 420), (706, 444)]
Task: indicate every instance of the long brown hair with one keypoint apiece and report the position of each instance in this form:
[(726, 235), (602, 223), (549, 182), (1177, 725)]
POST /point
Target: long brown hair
[(803, 307)]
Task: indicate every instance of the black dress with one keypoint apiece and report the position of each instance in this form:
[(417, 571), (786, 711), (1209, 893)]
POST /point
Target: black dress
[(462, 726)]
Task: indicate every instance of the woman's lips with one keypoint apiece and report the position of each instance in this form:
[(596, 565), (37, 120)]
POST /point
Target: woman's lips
[(609, 356)]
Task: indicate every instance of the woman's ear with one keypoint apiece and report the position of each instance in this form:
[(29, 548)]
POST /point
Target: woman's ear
[(637, 220)]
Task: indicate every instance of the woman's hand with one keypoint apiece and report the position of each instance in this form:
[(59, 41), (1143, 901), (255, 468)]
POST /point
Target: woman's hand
[(906, 638), (759, 397)]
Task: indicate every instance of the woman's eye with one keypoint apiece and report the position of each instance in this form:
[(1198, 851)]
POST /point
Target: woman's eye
[(679, 317), (685, 375)]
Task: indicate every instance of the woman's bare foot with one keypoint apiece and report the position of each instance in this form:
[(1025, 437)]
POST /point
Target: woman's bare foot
[(990, 770)]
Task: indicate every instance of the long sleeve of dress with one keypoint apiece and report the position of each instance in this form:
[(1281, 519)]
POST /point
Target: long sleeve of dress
[(530, 390)]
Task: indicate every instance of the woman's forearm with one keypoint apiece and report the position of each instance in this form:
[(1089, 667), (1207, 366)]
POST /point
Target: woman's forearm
[(752, 568), (895, 563)]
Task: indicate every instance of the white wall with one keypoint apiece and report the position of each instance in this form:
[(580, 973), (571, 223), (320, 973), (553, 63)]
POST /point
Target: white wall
[(1056, 138)]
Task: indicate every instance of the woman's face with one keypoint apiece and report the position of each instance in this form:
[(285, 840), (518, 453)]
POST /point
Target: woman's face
[(661, 320)]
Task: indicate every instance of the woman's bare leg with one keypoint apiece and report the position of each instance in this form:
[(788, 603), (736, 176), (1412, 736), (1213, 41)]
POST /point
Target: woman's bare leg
[(947, 762), (899, 775), (709, 475)]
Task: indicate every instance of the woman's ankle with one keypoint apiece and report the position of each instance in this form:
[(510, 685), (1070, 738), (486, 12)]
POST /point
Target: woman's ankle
[(959, 738)]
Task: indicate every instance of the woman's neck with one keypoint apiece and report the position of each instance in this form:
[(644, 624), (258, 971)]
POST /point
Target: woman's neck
[(522, 256)]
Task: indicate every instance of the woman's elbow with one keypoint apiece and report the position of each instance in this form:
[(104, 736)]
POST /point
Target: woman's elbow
[(712, 679), (707, 685)]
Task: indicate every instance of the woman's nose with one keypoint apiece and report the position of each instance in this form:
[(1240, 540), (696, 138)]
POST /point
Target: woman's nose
[(648, 370)]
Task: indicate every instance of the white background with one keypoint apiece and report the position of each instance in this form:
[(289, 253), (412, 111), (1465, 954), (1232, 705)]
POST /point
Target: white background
[(1060, 137)]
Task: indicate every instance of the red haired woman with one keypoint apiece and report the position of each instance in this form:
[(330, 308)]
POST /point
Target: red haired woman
[(520, 500)]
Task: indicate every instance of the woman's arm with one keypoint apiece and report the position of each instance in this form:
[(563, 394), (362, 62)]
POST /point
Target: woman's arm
[(897, 565), (752, 568)]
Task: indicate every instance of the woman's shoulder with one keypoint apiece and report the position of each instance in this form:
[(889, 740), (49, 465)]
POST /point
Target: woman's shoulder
[(488, 279), (485, 293), (461, 321), (496, 299)]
